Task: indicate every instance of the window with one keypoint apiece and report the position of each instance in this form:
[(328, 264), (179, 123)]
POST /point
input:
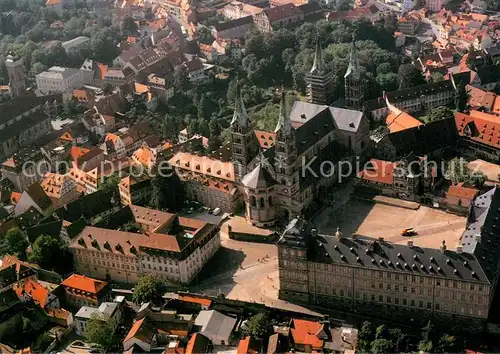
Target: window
[(380, 286), (421, 304), (396, 301), (253, 201), (405, 288), (413, 290), (389, 287), (405, 302), (388, 299), (412, 303), (380, 298), (396, 287), (261, 202)]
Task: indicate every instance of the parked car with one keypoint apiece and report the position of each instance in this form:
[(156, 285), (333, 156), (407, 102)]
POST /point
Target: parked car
[(216, 211)]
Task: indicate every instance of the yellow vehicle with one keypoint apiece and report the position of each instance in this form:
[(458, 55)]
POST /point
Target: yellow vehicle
[(408, 232)]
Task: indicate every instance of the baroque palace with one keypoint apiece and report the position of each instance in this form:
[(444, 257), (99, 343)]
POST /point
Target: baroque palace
[(453, 283)]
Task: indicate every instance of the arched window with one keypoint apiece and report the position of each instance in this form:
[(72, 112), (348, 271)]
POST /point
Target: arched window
[(261, 202), (270, 201), (253, 201)]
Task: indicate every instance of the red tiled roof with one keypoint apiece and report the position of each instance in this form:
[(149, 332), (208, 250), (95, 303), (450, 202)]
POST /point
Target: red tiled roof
[(84, 283), (484, 128), (305, 333), (379, 171), (197, 300), (142, 330), (248, 346), (266, 139), (281, 12), (38, 293), (197, 344), (461, 192), (76, 152), (14, 197), (398, 121)]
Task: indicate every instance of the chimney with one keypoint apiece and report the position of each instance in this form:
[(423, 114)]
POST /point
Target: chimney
[(354, 236), (410, 243), (314, 233), (459, 249), (443, 246), (381, 239), (338, 234)]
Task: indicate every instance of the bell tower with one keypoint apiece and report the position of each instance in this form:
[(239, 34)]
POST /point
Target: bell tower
[(244, 143), (17, 81), (287, 174), (320, 80), (354, 80)]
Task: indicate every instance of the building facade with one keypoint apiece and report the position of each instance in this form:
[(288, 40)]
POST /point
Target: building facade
[(361, 274), (62, 80), (174, 248)]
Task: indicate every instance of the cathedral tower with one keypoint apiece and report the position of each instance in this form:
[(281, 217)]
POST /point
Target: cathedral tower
[(320, 80), (355, 83), (287, 174), (17, 82), (245, 144)]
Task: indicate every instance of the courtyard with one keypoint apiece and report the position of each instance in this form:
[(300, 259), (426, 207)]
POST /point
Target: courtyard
[(377, 220)]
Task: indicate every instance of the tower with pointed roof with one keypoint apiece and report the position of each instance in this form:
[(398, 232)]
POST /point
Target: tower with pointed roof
[(260, 195), (320, 79), (244, 143), (17, 80), (287, 175), (354, 79)]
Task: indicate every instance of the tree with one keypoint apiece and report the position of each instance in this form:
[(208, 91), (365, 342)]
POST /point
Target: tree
[(426, 343), (149, 288), (448, 344), (382, 346), (365, 337), (101, 332), (457, 170), (42, 343), (107, 88), (437, 77), (410, 76), (215, 130), (50, 253), (440, 113), (168, 191), (15, 243), (129, 27), (259, 326), (110, 182), (181, 79), (461, 98)]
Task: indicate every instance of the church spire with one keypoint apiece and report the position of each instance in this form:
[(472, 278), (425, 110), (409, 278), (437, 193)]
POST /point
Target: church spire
[(353, 59), (240, 115), (284, 125), (319, 59)]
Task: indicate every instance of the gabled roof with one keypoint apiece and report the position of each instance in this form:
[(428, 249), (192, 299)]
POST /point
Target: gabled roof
[(141, 330), (379, 171), (482, 127), (198, 343), (305, 333), (215, 324), (35, 290), (38, 195), (81, 282), (282, 12)]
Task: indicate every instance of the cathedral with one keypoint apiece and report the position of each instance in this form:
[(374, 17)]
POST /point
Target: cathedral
[(278, 174)]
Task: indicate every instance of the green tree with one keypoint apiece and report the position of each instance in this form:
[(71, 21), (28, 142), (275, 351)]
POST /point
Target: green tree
[(181, 79), (259, 326), (168, 191), (457, 170), (42, 343), (215, 130), (129, 27), (440, 113), (410, 76), (101, 332), (110, 182), (380, 346), (437, 77), (448, 344), (426, 344), (149, 288), (50, 253), (365, 337), (15, 243)]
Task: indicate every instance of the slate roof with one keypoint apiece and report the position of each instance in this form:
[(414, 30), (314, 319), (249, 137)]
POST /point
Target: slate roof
[(215, 324), (346, 119), (19, 105), (385, 256), (259, 178)]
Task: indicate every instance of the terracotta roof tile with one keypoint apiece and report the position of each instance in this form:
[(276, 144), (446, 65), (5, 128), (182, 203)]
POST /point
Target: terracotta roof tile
[(397, 121), (379, 171), (305, 333), (38, 293), (142, 330), (84, 283), (480, 127), (194, 299)]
